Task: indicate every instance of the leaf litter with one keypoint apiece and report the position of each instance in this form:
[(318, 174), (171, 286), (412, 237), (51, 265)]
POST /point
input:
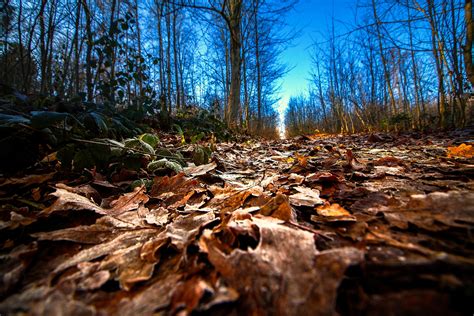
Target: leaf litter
[(309, 226)]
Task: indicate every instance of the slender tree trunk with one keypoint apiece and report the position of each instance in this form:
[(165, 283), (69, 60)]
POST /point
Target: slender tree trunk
[(437, 49), (43, 47), (21, 49), (418, 114), (139, 46), (168, 56), (89, 42), (227, 75), (235, 17), (246, 92), (384, 60), (49, 48), (77, 49), (259, 70), (28, 74), (175, 58), (469, 39), (161, 57), (457, 67), (112, 53)]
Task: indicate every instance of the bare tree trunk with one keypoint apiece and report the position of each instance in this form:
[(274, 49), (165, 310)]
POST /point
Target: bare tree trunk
[(49, 47), (112, 55), (259, 70), (168, 56), (77, 49), (139, 44), (161, 58), (89, 41), (21, 49), (246, 92), (469, 39), (43, 47), (437, 49), (175, 57), (235, 16), (384, 61), (227, 73)]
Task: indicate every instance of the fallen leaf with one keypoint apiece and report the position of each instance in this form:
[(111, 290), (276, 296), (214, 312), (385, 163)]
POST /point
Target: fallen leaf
[(28, 180), (68, 201), (332, 210), (128, 202), (302, 160), (184, 228), (14, 264), (278, 207), (306, 197), (176, 190), (323, 177), (200, 170), (229, 199), (389, 161), (187, 295), (269, 278), (461, 151)]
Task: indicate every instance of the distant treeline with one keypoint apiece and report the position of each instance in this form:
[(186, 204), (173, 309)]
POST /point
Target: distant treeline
[(405, 65)]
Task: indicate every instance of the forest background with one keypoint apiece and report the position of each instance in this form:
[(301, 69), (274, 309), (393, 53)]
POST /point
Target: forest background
[(402, 65)]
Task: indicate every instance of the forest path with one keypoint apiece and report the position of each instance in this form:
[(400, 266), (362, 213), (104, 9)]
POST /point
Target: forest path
[(360, 224)]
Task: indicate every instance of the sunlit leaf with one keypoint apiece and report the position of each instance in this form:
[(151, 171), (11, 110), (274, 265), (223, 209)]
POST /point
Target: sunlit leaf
[(461, 151)]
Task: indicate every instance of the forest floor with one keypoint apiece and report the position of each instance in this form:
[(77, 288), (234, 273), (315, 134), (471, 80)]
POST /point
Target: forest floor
[(365, 224)]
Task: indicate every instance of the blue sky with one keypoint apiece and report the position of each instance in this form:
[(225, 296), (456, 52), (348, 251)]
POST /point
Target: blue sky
[(312, 18)]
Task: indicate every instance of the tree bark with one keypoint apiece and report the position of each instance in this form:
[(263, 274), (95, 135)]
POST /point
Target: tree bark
[(168, 55), (43, 48), (259, 70), (89, 87), (139, 44), (235, 17), (468, 44), (175, 57), (384, 60)]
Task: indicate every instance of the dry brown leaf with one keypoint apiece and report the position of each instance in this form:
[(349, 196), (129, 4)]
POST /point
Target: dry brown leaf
[(187, 295), (14, 264), (184, 228), (332, 210), (273, 277), (69, 201), (323, 177), (17, 220), (93, 234), (127, 239), (229, 199), (158, 217), (278, 207), (175, 191), (462, 151), (389, 161), (129, 265), (200, 170), (176, 184), (150, 299), (306, 197), (436, 211), (84, 190), (88, 277), (27, 180)]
